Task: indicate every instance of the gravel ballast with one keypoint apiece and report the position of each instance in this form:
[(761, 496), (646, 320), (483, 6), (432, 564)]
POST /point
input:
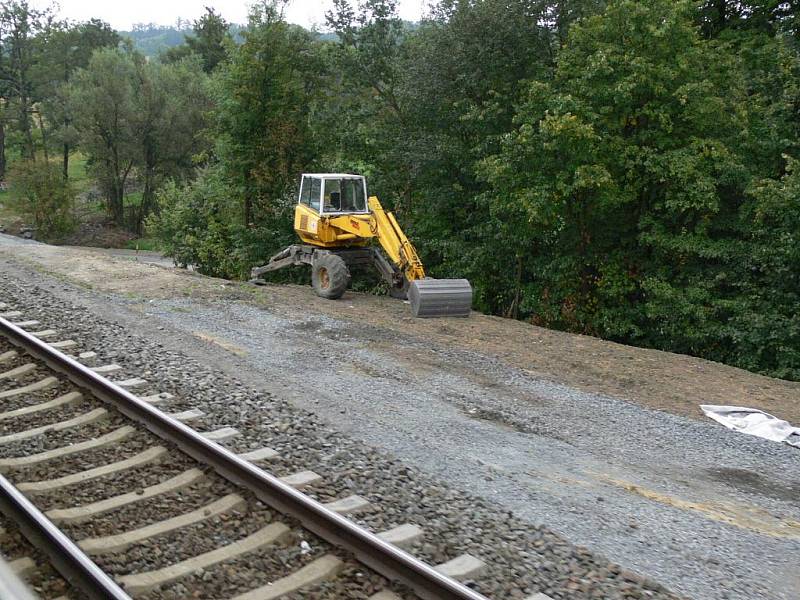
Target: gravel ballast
[(526, 455)]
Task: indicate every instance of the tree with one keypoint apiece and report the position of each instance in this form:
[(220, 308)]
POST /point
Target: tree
[(210, 41), (19, 26), (66, 47), (261, 118), (102, 100)]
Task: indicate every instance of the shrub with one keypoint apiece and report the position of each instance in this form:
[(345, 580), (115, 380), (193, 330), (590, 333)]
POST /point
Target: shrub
[(41, 194)]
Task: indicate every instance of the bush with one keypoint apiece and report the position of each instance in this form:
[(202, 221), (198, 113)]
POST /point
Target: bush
[(42, 195), (201, 224)]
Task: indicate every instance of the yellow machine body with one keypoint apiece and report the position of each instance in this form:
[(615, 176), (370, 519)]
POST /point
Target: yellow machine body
[(337, 221), (358, 229)]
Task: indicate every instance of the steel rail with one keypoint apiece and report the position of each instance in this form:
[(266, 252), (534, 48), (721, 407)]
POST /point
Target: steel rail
[(67, 558), (384, 558)]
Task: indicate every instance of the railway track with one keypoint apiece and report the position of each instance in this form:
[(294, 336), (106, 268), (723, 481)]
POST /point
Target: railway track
[(128, 499)]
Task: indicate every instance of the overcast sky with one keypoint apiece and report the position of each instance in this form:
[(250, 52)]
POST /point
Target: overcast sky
[(122, 14)]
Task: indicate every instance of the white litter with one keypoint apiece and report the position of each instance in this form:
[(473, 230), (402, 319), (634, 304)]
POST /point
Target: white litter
[(754, 422)]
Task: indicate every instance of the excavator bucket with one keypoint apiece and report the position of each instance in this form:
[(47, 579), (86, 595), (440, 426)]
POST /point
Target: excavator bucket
[(440, 297)]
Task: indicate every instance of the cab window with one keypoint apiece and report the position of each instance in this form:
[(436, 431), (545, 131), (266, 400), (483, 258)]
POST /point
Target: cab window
[(344, 195), (315, 188), (305, 190)]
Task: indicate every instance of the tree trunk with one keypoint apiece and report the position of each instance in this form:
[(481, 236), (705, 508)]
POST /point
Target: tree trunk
[(65, 159), (28, 150), (2, 150), (44, 136)]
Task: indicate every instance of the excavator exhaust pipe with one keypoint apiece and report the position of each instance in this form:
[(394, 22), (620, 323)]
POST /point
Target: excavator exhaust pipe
[(440, 297)]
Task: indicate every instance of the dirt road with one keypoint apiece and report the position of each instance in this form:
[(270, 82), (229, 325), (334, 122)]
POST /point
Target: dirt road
[(602, 442)]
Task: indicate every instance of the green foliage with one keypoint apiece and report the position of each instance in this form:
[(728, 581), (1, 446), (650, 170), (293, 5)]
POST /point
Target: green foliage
[(43, 196), (261, 125), (200, 224), (210, 41)]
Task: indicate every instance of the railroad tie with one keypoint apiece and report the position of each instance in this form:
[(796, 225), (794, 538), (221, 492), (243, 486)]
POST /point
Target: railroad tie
[(141, 583), (103, 369), (24, 324), (348, 505), (402, 536), (302, 479), (20, 371), (121, 541), (7, 356), (12, 314), (64, 344), (385, 595), (157, 398), (322, 569), (38, 386), (48, 485), (134, 382), (70, 398), (260, 454), (44, 334), (462, 567), (23, 566), (77, 514), (99, 442), (188, 416), (84, 419), (220, 435)]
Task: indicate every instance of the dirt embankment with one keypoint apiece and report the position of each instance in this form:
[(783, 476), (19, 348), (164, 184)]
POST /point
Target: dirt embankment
[(651, 378)]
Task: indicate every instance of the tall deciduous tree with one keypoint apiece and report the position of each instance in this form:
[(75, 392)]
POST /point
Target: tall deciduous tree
[(102, 100), (210, 41), (261, 120)]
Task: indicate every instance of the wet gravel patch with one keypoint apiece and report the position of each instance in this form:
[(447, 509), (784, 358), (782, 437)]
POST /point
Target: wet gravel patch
[(522, 558)]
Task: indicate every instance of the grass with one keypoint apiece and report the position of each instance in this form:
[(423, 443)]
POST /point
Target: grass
[(143, 243)]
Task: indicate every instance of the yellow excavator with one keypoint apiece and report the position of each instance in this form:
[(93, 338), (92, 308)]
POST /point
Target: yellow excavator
[(336, 221)]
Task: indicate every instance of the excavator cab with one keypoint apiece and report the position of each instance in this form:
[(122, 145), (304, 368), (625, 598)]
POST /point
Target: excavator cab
[(337, 221)]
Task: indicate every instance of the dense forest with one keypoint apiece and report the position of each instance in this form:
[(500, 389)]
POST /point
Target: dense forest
[(624, 169)]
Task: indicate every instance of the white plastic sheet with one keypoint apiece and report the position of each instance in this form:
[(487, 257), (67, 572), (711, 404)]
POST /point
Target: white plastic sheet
[(754, 422)]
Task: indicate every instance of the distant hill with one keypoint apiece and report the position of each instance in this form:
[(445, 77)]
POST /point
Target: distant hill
[(151, 39)]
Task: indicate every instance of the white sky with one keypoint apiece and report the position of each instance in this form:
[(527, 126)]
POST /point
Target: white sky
[(122, 14)]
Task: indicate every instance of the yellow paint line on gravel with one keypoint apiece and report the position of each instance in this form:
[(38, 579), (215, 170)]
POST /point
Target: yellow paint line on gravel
[(233, 349), (751, 518)]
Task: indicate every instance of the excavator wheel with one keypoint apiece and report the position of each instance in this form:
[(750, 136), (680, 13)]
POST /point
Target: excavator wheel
[(440, 297), (330, 276)]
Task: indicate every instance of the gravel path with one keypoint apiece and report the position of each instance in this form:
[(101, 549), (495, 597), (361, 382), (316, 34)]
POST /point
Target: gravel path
[(708, 513)]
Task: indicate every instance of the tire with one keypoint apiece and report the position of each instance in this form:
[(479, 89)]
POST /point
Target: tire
[(330, 276)]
